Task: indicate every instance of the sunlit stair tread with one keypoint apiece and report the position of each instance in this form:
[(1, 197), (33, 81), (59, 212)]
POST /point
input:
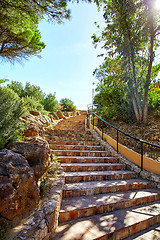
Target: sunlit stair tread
[(90, 185), (98, 175), (86, 159), (73, 174), (77, 147), (115, 225), (83, 206), (92, 164), (73, 142)]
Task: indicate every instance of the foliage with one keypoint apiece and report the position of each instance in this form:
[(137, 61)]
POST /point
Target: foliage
[(19, 34), (112, 96), (33, 104), (11, 109), (131, 34), (17, 87), (50, 103), (154, 96), (33, 91), (54, 10), (35, 98), (67, 105), (29, 90)]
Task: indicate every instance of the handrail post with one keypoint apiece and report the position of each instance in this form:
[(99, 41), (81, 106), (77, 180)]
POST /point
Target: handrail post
[(87, 119), (141, 155), (93, 121), (117, 140), (102, 130)]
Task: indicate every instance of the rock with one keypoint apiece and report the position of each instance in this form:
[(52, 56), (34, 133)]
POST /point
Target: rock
[(60, 114), (37, 153), (52, 120), (18, 188), (35, 126), (54, 114), (47, 120), (68, 114), (35, 113)]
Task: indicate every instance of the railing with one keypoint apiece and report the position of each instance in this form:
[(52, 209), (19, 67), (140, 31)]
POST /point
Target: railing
[(142, 142)]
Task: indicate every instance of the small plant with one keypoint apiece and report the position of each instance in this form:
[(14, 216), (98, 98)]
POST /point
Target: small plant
[(11, 109), (3, 230)]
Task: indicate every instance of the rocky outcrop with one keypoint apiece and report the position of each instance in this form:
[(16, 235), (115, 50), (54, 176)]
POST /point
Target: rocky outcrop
[(18, 188), (38, 155), (54, 114), (34, 126), (23, 171), (60, 115)]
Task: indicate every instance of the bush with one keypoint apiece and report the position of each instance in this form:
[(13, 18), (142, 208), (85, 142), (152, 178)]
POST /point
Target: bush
[(17, 87), (33, 91), (11, 109), (33, 104), (154, 97), (114, 103), (50, 103), (67, 105)]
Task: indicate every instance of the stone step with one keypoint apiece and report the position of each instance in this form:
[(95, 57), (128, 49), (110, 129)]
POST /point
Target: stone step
[(76, 159), (79, 167), (71, 133), (84, 206), (71, 138), (71, 177), (80, 153), (151, 233), (73, 142), (112, 226), (77, 147), (100, 187)]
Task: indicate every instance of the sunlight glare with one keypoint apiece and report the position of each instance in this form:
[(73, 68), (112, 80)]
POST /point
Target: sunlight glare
[(157, 4)]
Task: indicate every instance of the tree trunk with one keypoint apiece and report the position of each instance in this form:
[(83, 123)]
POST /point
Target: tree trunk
[(145, 108), (151, 58), (135, 108)]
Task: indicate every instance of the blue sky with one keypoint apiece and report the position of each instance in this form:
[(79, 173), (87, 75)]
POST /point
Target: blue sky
[(67, 62)]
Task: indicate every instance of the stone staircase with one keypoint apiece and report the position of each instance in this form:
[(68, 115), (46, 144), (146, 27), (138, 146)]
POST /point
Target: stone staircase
[(101, 199)]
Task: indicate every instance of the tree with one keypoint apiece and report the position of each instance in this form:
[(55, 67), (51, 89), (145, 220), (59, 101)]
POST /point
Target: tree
[(112, 97), (19, 34), (54, 10), (131, 32), (17, 87), (67, 104), (50, 103)]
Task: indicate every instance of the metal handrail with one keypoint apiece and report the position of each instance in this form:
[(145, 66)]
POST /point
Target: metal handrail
[(128, 135)]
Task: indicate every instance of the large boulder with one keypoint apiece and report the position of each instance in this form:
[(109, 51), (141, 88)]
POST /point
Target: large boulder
[(37, 153), (18, 188)]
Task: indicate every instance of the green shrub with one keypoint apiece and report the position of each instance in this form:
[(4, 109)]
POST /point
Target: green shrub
[(16, 87), (33, 104), (33, 91), (67, 105), (11, 109), (50, 103), (154, 97)]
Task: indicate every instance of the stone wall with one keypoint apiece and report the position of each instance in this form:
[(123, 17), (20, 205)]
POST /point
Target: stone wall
[(42, 222)]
